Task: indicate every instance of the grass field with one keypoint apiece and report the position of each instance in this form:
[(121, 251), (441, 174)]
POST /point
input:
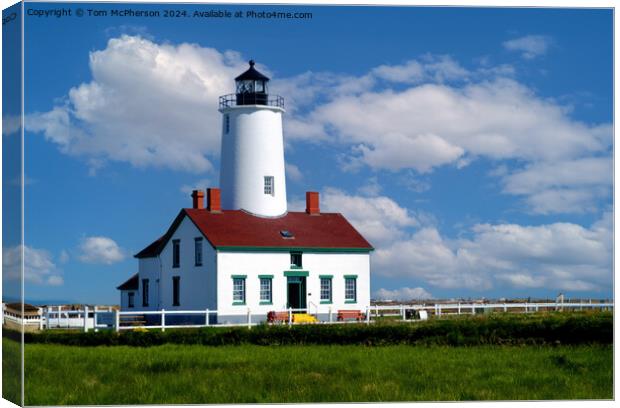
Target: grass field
[(174, 374)]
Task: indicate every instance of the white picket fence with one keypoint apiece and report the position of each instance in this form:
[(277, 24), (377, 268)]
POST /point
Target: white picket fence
[(54, 317), (372, 313)]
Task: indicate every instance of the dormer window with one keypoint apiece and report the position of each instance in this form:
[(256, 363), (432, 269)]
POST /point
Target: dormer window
[(296, 259)]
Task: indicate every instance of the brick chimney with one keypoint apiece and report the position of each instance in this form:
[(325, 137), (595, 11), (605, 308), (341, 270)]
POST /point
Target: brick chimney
[(214, 203), (198, 199), (312, 203)]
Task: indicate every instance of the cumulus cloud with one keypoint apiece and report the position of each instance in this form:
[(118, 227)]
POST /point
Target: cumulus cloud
[(432, 123), (402, 294), (557, 256), (101, 250), (148, 104), (499, 119), (153, 104), (530, 46), (201, 184), (570, 186), (10, 124), (293, 172), (380, 219), (64, 256), (432, 68), (372, 188), (39, 267)]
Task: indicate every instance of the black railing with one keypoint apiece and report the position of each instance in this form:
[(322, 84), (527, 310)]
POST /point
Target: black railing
[(226, 101)]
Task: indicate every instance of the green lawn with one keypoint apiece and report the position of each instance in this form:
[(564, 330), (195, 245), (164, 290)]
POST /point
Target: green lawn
[(175, 374)]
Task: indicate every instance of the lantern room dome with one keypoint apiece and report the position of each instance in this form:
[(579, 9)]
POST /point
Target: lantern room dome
[(251, 89), (252, 74)]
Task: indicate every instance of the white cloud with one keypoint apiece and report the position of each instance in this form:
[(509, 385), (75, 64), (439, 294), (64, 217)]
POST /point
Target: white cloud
[(64, 256), (379, 219), (431, 68), (530, 46), (148, 104), (571, 186), (558, 256), (155, 104), (402, 294), (10, 124), (17, 181), (397, 151), (39, 267), (293, 172), (434, 124), (201, 184), (499, 119), (410, 72), (372, 188), (100, 250)]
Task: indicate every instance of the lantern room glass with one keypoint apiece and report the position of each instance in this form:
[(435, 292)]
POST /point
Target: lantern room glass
[(247, 86)]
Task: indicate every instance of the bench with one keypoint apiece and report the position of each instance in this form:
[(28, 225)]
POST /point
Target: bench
[(351, 314), (277, 317)]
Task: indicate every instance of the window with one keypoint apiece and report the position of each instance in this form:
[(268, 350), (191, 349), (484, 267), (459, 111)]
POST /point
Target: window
[(265, 290), (326, 289), (296, 259), (176, 291), (269, 185), (238, 290), (198, 251), (245, 86), (226, 124), (259, 86), (145, 292), (176, 253), (130, 299), (350, 289)]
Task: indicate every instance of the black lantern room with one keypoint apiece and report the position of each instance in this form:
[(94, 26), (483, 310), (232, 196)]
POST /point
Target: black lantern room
[(251, 87)]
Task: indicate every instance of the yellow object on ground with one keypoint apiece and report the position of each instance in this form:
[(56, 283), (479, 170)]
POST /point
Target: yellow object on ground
[(304, 318)]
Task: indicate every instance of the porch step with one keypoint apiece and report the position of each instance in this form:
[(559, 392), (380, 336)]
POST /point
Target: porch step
[(304, 318)]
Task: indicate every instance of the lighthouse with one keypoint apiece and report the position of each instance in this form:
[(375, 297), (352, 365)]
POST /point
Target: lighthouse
[(252, 175), (243, 257)]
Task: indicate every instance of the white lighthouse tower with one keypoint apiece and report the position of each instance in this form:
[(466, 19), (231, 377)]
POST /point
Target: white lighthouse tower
[(252, 174)]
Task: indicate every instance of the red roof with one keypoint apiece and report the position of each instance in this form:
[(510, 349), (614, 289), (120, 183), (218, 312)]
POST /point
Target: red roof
[(236, 229), (130, 284)]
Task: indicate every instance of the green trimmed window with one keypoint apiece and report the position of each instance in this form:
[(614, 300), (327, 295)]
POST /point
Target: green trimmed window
[(176, 253), (238, 290), (198, 251), (296, 259), (326, 289), (265, 290), (350, 289), (176, 291), (145, 292)]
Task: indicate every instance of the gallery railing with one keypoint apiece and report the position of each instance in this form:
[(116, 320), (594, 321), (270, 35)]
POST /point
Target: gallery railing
[(227, 101)]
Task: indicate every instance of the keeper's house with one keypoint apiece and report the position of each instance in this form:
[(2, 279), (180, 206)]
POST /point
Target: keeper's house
[(244, 252)]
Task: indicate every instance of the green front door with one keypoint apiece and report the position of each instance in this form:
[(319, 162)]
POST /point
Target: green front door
[(296, 292)]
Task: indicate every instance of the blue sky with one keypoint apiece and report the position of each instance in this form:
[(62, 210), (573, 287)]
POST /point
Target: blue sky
[(471, 146)]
